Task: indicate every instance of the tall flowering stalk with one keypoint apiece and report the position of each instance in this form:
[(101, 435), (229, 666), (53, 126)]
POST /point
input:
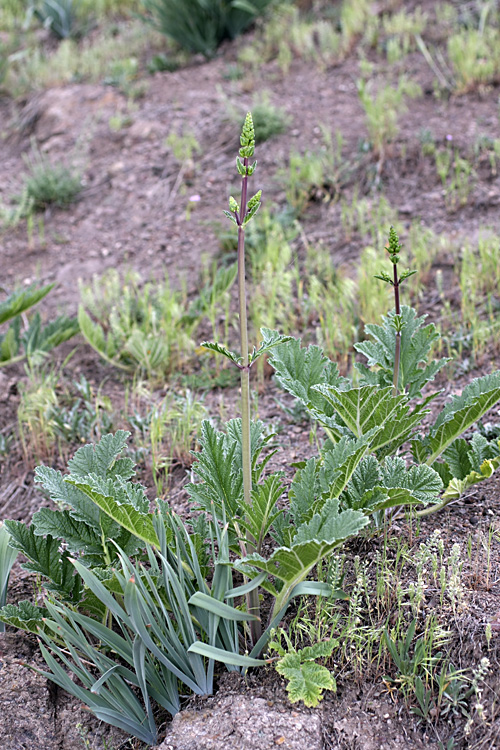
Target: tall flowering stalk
[(241, 213)]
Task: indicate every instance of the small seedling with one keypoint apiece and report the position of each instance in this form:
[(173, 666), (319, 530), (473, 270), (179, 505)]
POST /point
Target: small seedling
[(306, 679)]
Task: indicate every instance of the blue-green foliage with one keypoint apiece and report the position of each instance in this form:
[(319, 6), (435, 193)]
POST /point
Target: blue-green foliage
[(200, 26), (35, 340), (387, 423), (84, 529), (415, 370)]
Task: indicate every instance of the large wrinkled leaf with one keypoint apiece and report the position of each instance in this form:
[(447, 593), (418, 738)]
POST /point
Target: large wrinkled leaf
[(380, 498), (59, 524), (457, 487), (366, 476), (362, 409), (314, 541), (307, 680), (217, 465), (476, 389), (25, 616), (416, 345), (303, 492), (298, 369), (262, 513), (125, 514), (477, 398), (44, 557), (422, 482), (99, 459), (340, 464), (60, 492), (400, 428)]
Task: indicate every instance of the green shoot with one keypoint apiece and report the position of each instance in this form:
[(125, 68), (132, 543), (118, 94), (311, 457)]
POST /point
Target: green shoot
[(393, 249)]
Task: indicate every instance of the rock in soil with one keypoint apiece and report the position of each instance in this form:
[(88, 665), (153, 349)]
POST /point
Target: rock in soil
[(241, 722)]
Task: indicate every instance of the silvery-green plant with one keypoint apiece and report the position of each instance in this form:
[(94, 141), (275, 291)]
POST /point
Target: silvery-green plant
[(200, 26), (381, 421), (133, 579), (230, 467), (162, 616)]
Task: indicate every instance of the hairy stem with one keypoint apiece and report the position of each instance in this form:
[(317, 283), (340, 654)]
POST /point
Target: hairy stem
[(253, 597), (397, 353), (434, 508)]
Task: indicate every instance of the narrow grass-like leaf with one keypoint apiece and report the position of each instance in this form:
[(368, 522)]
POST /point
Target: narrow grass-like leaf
[(7, 559), (219, 654), (219, 608)]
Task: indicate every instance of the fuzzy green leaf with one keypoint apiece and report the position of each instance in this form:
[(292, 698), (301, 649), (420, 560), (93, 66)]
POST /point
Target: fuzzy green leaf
[(307, 680), (138, 523), (21, 300), (262, 513), (416, 344), (457, 458), (24, 616), (76, 534), (218, 467), (474, 390), (476, 399), (423, 482), (457, 487), (230, 216), (250, 213), (44, 557), (362, 409), (340, 463), (314, 541), (379, 498), (299, 370), (83, 509), (213, 346), (270, 339), (99, 458), (303, 491)]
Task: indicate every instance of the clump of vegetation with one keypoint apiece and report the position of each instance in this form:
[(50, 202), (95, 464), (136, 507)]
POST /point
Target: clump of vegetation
[(146, 327), (60, 16), (29, 339), (269, 120), (157, 615), (383, 109), (50, 184), (200, 26)]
